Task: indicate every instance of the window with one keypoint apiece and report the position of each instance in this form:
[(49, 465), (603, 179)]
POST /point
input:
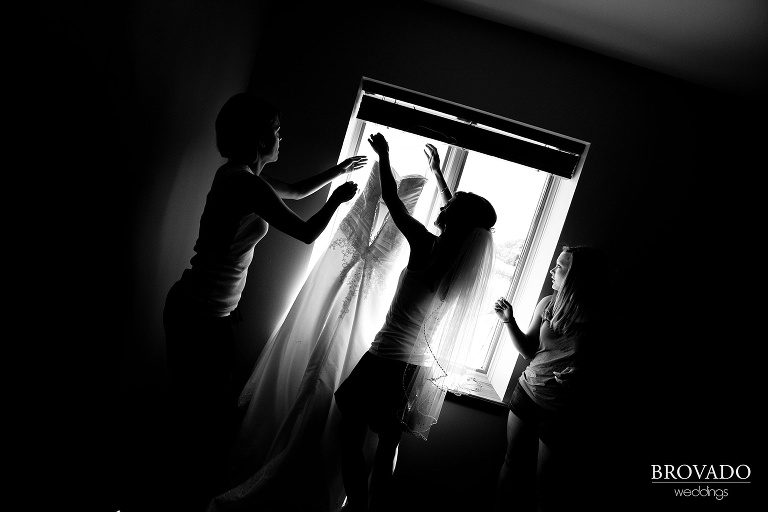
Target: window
[(528, 174)]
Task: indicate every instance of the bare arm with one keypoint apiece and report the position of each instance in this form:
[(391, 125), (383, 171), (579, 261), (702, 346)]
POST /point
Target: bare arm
[(308, 186), (527, 343), (413, 230), (434, 165), (265, 202)]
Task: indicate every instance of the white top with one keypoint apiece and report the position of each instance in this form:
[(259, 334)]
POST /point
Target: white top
[(404, 319), (228, 233)]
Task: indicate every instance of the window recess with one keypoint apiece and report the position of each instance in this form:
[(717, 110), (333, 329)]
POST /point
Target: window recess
[(529, 175)]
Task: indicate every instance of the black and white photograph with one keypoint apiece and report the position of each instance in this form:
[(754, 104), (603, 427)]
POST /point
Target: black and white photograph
[(408, 256)]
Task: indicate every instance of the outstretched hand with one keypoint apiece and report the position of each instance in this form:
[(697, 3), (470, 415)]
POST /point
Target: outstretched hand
[(344, 192), (379, 144), (503, 309), (433, 157), (351, 164)]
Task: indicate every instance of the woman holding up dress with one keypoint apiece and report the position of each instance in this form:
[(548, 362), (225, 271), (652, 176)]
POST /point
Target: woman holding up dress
[(400, 382)]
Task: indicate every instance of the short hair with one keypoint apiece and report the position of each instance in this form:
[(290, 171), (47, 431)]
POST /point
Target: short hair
[(480, 213), (241, 121)]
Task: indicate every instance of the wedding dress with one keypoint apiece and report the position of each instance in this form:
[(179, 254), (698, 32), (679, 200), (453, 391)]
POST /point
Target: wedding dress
[(286, 453)]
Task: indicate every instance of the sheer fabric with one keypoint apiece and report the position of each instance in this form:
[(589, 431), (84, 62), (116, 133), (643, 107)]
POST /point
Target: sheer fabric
[(446, 334), (286, 453)]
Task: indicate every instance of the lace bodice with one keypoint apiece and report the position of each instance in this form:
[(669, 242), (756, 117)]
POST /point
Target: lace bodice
[(372, 256)]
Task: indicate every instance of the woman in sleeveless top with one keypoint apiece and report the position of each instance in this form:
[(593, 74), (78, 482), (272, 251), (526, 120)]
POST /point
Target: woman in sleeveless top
[(198, 315), (374, 393), (540, 426)]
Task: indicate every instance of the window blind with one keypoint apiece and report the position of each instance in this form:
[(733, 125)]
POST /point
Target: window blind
[(469, 128)]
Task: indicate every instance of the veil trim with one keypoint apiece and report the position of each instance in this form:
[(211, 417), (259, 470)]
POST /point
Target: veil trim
[(446, 334)]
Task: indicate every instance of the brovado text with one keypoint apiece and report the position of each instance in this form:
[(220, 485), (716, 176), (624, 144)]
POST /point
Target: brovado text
[(685, 472)]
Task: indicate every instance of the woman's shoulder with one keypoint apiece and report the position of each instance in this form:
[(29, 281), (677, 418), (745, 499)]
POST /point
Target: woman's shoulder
[(422, 253), (230, 169), (541, 307), (240, 180), (241, 189), (544, 301), (228, 174)]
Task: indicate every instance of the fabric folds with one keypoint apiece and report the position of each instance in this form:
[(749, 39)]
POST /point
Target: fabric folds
[(286, 453)]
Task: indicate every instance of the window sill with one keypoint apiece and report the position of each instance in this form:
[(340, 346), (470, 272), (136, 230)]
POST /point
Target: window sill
[(479, 388)]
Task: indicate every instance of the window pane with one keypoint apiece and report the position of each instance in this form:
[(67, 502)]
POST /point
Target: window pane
[(514, 191)]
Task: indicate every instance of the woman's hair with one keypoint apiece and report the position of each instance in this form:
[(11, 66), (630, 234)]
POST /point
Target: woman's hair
[(477, 212), (582, 289), (241, 121), (447, 332)]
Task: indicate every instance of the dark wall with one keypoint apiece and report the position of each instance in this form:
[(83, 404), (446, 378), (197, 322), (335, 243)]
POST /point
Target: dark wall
[(668, 190), (127, 93)]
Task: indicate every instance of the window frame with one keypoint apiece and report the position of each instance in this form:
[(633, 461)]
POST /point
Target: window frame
[(497, 377)]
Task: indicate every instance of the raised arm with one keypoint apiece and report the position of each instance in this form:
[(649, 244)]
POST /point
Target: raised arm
[(527, 343), (308, 186), (433, 158), (413, 230), (259, 197)]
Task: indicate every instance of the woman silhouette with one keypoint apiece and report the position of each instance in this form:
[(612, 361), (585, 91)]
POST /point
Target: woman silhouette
[(386, 390), (198, 315), (541, 424)]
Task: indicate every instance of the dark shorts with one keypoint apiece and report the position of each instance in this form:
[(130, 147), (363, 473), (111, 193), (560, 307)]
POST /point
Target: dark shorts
[(375, 392), (554, 429), (199, 347)]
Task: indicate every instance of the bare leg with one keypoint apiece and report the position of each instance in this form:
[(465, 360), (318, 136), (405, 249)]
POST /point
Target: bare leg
[(517, 475), (383, 467), (546, 478), (354, 472), (558, 483)]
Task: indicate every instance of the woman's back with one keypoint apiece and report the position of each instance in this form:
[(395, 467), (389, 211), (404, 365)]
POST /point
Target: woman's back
[(224, 248), (405, 317)]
